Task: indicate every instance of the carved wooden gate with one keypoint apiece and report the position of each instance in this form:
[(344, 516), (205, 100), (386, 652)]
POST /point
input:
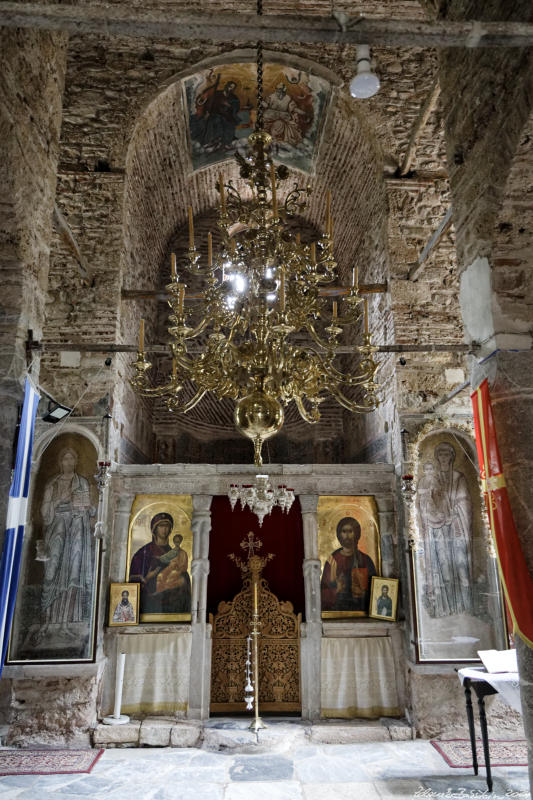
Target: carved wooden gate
[(279, 652)]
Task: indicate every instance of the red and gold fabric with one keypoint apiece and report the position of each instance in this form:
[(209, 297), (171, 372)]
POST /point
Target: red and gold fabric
[(516, 579)]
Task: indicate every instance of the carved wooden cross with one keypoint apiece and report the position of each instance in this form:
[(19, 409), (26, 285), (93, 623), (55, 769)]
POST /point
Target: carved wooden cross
[(252, 544), (253, 562)]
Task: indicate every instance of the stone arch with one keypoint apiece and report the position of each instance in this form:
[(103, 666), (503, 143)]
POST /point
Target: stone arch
[(159, 185), (44, 439)]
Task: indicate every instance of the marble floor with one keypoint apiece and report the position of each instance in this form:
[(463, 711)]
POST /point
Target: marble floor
[(367, 771)]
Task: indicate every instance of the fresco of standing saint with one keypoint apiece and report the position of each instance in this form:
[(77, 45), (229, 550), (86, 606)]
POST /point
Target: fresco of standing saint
[(457, 600), (56, 602), (445, 513)]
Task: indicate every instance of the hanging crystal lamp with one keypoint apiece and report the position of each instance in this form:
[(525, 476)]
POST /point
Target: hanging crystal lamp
[(260, 497)]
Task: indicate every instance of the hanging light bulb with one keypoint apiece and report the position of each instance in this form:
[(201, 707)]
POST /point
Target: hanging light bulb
[(365, 83)]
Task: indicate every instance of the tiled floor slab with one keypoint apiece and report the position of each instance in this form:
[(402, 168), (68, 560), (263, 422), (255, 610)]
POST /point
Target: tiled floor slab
[(404, 770), (279, 790), (261, 768), (342, 791)]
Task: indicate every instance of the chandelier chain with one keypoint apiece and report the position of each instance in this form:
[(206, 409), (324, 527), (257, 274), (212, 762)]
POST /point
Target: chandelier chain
[(259, 117)]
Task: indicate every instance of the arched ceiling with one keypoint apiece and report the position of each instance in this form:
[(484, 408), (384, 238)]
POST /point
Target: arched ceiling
[(161, 183), (358, 146)]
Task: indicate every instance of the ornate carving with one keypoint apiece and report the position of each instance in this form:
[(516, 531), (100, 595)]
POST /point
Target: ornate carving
[(279, 651)]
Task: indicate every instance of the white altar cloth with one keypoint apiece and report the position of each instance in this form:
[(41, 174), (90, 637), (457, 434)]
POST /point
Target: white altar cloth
[(156, 674), (358, 678)]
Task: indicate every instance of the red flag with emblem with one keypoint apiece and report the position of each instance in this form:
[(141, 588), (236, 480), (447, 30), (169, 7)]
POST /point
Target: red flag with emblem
[(514, 574)]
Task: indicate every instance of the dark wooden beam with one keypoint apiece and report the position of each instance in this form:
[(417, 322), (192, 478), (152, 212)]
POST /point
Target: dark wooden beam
[(68, 237), (416, 269), (128, 20), (162, 349), (419, 125), (330, 291)]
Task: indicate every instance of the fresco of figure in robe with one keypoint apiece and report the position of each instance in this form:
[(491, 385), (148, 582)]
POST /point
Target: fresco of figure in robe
[(445, 517), (56, 613)]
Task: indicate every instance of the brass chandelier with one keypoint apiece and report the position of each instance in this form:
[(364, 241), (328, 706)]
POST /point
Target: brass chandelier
[(268, 335)]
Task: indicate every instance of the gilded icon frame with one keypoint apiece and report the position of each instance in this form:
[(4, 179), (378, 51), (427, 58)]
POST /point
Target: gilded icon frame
[(116, 591), (145, 509), (392, 584), (354, 601)]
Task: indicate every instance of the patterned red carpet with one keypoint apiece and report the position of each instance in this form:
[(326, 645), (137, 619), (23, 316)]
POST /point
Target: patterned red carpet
[(458, 753), (47, 762)]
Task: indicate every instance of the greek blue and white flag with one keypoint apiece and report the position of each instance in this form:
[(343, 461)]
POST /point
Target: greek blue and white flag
[(16, 517)]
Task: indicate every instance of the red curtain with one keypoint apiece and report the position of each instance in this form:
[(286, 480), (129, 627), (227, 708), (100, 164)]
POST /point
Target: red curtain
[(281, 534), (514, 574)]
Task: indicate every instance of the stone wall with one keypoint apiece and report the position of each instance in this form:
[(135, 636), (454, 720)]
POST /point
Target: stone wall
[(52, 711), (123, 190), (483, 137), (435, 689), (33, 71)]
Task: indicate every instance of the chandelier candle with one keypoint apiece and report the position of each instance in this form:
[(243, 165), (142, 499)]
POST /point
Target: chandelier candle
[(191, 229), (222, 195), (274, 197)]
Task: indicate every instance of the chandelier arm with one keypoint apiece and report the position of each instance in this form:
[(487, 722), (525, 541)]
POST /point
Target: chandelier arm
[(340, 377), (200, 328), (186, 364), (191, 403), (304, 413), (351, 405), (232, 332), (157, 391), (325, 345)]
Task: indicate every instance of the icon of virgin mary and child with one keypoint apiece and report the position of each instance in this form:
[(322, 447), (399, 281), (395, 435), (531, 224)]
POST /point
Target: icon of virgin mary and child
[(162, 570)]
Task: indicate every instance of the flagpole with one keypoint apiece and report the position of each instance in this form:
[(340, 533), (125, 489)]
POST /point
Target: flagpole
[(16, 516)]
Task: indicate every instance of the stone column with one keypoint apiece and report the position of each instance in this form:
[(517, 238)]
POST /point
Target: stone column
[(387, 533), (200, 680), (525, 664), (312, 628), (490, 170), (117, 542), (510, 376)]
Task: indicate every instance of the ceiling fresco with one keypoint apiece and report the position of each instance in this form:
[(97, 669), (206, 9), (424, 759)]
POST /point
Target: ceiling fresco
[(221, 106)]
